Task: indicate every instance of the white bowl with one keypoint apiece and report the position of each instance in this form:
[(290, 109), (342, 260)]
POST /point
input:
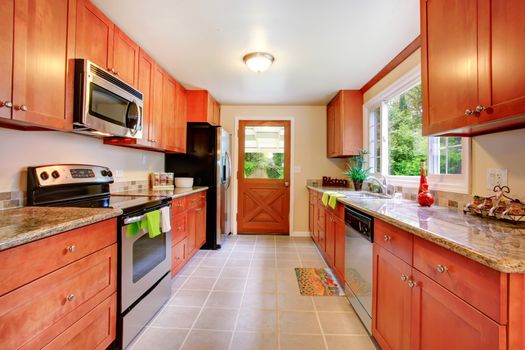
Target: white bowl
[(184, 182)]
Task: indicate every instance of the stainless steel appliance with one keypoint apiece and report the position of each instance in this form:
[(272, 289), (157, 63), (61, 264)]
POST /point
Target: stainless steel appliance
[(144, 263), (208, 162), (104, 104), (358, 263)]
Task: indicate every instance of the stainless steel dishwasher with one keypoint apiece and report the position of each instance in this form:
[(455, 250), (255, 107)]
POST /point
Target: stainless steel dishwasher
[(358, 263)]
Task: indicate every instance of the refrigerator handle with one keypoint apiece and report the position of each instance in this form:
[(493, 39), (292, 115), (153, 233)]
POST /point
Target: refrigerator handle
[(228, 170)]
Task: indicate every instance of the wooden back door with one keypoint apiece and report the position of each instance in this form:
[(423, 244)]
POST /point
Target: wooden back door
[(264, 177)]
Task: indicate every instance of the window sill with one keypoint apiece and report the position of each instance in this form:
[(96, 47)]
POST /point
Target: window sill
[(446, 183)]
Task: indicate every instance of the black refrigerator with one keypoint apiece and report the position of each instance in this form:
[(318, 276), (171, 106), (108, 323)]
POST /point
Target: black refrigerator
[(208, 162)]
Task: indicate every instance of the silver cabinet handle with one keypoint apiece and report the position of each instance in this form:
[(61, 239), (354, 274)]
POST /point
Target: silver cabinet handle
[(386, 238), (71, 248), (70, 297), (412, 284), (441, 268), (480, 108), (6, 104), (468, 112), (403, 277)]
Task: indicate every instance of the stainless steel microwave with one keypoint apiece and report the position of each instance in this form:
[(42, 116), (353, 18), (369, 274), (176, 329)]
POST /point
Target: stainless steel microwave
[(104, 104)]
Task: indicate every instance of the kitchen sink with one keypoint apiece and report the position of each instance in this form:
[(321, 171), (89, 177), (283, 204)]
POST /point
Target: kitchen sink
[(364, 195)]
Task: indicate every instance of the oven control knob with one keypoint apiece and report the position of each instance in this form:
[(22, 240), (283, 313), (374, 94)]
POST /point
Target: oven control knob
[(104, 172), (44, 175), (55, 174), (110, 174)]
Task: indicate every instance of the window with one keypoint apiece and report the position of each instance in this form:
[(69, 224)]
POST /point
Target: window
[(264, 152), (396, 144)]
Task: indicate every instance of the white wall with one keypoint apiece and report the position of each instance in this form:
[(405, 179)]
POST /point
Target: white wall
[(309, 148), (20, 149)]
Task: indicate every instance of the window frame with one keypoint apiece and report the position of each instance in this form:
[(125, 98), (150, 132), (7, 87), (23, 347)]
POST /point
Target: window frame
[(459, 183)]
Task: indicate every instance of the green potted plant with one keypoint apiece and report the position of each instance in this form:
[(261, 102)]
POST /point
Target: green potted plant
[(356, 169)]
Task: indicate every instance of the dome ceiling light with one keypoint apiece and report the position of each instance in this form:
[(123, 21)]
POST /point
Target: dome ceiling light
[(258, 61)]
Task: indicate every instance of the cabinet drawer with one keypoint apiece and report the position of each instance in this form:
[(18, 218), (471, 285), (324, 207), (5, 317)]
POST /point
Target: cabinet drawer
[(32, 310), (394, 239), (179, 228), (478, 285), (49, 254), (178, 206), (94, 331)]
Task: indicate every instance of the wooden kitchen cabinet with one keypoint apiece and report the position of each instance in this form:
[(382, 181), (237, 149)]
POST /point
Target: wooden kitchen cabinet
[(473, 56), (179, 256), (344, 119), (202, 107), (179, 123), (103, 43), (339, 248), (441, 320), (391, 300), (168, 113), (34, 36), (329, 250), (200, 224)]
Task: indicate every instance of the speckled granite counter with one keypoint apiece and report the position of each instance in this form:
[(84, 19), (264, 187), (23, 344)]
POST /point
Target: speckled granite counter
[(175, 193), (23, 225), (496, 244)]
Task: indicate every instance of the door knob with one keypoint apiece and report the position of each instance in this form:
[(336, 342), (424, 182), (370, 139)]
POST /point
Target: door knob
[(286, 184)]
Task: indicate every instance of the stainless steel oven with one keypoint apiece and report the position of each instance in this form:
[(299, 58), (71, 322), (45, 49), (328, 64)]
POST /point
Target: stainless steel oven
[(358, 263), (104, 104), (145, 274)]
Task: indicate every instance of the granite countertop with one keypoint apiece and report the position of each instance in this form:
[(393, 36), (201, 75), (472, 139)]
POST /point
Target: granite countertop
[(175, 193), (496, 244), (23, 225)]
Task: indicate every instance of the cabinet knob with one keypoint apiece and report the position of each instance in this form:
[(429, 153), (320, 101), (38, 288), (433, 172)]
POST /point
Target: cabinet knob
[(70, 297), (469, 112), (6, 104), (403, 277), (412, 284), (441, 268), (71, 248), (480, 108), (116, 72), (387, 238), (22, 108)]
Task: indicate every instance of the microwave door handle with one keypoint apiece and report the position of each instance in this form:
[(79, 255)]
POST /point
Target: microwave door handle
[(134, 219)]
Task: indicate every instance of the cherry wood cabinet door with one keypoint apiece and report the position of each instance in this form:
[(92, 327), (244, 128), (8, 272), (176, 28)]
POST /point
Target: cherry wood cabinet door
[(441, 320), (391, 301), (338, 124), (40, 42), (192, 232), (157, 114), (6, 56), (180, 118), (330, 130), (449, 34), (503, 54), (340, 247), (178, 256), (94, 35), (330, 239), (145, 85), (200, 226), (125, 57), (168, 114)]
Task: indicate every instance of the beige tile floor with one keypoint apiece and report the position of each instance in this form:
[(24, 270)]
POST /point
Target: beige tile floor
[(245, 297)]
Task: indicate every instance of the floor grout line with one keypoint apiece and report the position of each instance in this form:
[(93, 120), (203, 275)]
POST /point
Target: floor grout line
[(277, 320)]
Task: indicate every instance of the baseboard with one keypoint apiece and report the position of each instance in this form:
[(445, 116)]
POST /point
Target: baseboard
[(300, 234)]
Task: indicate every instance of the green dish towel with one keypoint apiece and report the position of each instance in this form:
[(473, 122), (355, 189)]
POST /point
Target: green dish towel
[(133, 229), (325, 197), (152, 223), (333, 199)]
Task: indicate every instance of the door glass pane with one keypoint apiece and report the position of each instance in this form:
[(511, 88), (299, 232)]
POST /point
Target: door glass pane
[(264, 152), (147, 254)]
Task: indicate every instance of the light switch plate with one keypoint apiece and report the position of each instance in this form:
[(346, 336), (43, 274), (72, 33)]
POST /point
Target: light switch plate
[(496, 177), (297, 169)]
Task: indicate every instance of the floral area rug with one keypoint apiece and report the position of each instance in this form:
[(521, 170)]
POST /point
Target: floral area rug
[(318, 282)]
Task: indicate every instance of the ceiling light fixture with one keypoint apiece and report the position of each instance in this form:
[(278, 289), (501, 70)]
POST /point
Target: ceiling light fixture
[(258, 61)]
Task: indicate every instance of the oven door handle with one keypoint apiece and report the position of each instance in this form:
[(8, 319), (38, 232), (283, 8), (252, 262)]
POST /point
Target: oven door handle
[(134, 219)]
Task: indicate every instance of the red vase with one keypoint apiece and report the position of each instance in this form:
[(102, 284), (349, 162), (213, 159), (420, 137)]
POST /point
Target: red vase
[(424, 197)]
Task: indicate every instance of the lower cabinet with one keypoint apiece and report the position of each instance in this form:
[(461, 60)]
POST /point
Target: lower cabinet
[(72, 306), (188, 229), (414, 311)]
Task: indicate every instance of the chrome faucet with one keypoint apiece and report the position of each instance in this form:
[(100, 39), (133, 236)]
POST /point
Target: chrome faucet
[(383, 183)]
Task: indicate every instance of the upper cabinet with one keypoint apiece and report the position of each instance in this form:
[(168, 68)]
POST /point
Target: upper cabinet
[(34, 37), (202, 107), (344, 117), (100, 41), (472, 66)]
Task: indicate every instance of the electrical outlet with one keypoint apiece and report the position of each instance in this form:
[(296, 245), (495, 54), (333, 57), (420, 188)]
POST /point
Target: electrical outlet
[(144, 159), (119, 173), (496, 177)]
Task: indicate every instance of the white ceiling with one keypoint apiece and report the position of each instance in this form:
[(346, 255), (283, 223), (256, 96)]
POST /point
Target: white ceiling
[(319, 46)]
